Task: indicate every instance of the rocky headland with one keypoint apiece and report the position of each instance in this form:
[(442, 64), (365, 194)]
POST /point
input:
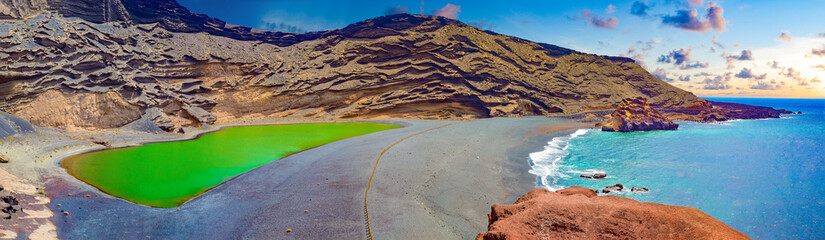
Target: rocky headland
[(578, 213), (634, 114), (710, 111)]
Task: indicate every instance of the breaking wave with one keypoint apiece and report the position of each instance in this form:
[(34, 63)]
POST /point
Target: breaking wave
[(545, 164)]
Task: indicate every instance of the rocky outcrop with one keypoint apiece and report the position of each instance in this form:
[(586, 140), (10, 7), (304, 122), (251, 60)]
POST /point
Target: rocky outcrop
[(24, 209), (634, 114), (4, 158), (744, 111), (405, 66), (10, 125), (615, 188), (9, 206), (577, 213), (639, 190)]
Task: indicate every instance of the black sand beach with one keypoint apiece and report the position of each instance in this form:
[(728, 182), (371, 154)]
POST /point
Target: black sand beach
[(438, 184)]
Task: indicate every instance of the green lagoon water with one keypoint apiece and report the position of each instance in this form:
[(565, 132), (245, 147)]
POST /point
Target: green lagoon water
[(170, 173)]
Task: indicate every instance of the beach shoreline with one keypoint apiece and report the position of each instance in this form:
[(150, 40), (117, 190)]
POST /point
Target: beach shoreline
[(510, 180), (466, 168)]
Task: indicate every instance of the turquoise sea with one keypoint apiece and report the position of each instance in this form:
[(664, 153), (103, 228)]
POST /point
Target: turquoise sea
[(765, 178)]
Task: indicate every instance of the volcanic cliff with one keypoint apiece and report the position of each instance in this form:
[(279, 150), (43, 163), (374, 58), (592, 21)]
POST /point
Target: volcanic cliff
[(634, 114), (577, 213), (103, 64)]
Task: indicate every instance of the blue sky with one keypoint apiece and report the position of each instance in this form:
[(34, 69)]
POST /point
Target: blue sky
[(666, 40)]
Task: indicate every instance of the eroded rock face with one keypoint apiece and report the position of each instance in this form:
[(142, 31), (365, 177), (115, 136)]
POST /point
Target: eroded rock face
[(394, 66), (18, 9), (634, 114), (577, 213), (78, 110)]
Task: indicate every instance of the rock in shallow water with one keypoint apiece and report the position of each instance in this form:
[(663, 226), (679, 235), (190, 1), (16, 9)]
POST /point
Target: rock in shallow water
[(615, 188), (634, 114), (594, 176), (639, 190), (577, 213)]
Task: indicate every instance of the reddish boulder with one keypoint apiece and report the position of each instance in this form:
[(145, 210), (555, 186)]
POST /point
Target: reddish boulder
[(577, 213)]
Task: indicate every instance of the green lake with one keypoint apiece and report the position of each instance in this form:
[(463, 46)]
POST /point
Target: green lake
[(170, 173)]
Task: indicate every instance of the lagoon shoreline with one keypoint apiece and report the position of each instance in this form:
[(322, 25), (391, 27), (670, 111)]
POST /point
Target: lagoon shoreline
[(328, 181)]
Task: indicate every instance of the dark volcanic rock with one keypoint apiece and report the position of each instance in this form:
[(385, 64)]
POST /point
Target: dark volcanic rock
[(634, 114), (404, 66), (541, 214), (615, 188), (703, 110), (594, 176), (639, 190), (744, 111), (9, 205)]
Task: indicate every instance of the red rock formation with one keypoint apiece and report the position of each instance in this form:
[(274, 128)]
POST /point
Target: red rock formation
[(577, 213), (634, 114)]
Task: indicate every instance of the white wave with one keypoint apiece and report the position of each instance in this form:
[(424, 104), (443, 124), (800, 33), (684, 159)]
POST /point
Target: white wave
[(586, 171), (545, 164)]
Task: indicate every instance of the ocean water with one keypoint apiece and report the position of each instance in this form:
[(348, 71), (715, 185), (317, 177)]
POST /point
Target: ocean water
[(765, 178)]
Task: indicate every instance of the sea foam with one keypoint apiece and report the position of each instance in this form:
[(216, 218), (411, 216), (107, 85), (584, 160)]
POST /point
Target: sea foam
[(545, 164)]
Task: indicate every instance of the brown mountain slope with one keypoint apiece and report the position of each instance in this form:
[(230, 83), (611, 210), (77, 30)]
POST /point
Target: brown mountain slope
[(196, 71)]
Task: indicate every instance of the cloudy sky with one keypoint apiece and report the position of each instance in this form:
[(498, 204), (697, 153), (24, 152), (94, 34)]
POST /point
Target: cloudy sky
[(712, 48)]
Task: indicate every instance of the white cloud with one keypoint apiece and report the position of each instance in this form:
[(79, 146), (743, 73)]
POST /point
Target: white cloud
[(296, 22)]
